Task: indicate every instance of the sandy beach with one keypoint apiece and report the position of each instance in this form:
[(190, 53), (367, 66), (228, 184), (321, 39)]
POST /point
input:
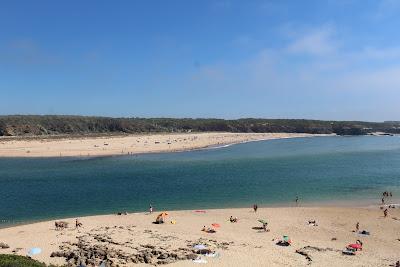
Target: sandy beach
[(132, 144), (130, 239)]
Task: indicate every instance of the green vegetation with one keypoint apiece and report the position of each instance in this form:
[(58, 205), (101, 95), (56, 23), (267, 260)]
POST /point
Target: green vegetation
[(32, 125), (7, 260)]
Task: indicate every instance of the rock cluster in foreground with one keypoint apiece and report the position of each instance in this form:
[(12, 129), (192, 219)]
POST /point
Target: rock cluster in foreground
[(99, 246)]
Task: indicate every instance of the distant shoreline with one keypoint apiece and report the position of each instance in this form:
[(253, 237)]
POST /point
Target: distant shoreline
[(89, 146)]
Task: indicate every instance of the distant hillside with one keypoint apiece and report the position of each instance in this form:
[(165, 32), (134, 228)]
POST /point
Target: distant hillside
[(32, 125)]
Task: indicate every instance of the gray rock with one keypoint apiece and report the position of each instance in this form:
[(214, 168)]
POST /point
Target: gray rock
[(58, 254), (149, 259), (163, 256), (4, 245), (192, 256)]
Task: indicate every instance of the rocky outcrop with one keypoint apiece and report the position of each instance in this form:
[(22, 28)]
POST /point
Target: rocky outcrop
[(100, 246), (4, 245)]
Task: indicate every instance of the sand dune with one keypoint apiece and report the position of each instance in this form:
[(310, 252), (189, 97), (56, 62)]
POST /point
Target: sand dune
[(122, 145), (130, 238)]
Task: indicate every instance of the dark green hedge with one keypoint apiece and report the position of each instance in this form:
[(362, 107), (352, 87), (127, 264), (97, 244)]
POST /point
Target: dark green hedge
[(7, 260)]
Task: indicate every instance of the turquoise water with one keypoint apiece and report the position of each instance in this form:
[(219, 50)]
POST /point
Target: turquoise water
[(320, 169)]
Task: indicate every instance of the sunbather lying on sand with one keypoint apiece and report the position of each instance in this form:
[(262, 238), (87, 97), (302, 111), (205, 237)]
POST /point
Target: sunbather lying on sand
[(363, 232), (357, 246), (233, 220), (312, 222), (265, 227), (351, 249), (286, 241), (208, 230)]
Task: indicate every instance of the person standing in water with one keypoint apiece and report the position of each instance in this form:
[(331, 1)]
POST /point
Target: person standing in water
[(297, 200)]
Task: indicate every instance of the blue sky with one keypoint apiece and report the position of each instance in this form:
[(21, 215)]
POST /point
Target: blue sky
[(327, 59)]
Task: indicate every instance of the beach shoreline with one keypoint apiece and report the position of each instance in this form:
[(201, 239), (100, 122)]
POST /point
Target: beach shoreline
[(244, 243), (130, 144), (363, 204)]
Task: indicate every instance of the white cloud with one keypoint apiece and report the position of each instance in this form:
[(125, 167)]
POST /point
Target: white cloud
[(315, 42), (344, 82), (380, 53)]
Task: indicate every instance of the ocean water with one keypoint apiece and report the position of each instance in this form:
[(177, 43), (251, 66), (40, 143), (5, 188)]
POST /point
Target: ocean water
[(318, 170)]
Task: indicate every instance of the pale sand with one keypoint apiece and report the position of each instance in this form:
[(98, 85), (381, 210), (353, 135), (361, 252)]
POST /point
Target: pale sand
[(122, 145), (249, 247)]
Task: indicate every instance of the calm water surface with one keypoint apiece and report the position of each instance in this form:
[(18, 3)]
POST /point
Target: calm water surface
[(320, 169)]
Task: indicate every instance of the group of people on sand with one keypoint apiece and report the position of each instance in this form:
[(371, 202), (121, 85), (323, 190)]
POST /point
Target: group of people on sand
[(60, 225), (233, 219), (386, 195)]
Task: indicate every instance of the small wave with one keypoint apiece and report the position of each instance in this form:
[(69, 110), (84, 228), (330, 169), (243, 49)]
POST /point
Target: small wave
[(219, 146)]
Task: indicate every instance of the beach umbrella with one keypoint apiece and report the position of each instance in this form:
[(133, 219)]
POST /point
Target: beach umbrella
[(34, 251), (200, 246), (263, 221), (216, 225), (163, 214)]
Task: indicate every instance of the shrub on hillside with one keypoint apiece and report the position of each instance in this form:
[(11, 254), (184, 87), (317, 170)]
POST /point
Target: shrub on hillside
[(7, 260)]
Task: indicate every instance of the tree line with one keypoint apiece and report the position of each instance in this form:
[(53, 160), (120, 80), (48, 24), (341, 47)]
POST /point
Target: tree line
[(53, 125)]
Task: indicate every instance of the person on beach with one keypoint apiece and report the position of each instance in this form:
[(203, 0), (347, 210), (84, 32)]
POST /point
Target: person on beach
[(255, 207), (357, 227), (233, 220), (385, 213), (77, 224), (151, 209), (297, 200), (265, 227), (383, 201)]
